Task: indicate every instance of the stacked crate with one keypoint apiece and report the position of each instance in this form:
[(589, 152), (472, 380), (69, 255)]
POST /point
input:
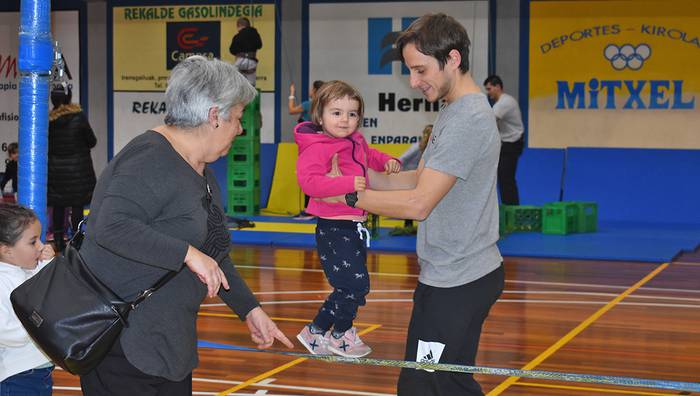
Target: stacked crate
[(519, 218), (569, 217), (243, 163), (560, 218)]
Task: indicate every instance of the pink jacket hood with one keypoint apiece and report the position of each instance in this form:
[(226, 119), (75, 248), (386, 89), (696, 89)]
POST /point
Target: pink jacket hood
[(316, 150)]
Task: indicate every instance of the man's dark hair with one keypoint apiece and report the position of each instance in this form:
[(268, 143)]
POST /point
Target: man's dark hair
[(436, 35), (243, 21), (12, 148), (494, 80)]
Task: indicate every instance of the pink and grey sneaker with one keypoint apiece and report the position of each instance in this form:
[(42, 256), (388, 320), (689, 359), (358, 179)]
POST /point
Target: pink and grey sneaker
[(317, 344), (349, 345)]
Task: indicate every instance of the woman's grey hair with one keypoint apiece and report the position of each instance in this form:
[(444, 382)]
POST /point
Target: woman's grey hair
[(197, 84)]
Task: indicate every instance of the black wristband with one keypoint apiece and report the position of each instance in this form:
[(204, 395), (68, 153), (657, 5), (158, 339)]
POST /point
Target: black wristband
[(351, 199)]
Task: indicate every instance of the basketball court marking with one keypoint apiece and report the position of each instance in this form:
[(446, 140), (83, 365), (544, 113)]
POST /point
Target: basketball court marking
[(577, 330), (588, 389), (281, 368)]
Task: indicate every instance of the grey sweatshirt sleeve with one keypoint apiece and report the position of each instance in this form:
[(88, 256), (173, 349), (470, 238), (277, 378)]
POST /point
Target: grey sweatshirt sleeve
[(239, 297), (122, 225)]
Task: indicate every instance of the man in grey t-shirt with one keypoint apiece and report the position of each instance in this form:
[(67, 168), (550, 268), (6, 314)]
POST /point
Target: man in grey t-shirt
[(510, 126), (453, 192)]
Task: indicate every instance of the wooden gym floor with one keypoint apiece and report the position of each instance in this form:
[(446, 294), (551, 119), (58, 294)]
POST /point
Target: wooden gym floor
[(593, 317)]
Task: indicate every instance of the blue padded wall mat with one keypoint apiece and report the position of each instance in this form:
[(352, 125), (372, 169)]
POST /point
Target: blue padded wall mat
[(295, 239), (539, 175), (613, 241), (637, 185)]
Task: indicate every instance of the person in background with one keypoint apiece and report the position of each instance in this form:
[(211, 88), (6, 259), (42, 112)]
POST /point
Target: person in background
[(511, 129), (71, 176), (157, 208), (244, 46), (24, 369), (10, 174), (304, 110)]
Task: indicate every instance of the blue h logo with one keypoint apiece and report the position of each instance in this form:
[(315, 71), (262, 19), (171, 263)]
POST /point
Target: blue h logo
[(380, 45)]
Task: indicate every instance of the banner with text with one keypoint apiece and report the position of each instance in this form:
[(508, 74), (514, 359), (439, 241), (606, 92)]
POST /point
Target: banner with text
[(354, 42), (65, 29), (614, 74), (149, 41)]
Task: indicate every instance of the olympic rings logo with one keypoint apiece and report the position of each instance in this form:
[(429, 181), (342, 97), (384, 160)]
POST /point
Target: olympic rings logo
[(627, 56)]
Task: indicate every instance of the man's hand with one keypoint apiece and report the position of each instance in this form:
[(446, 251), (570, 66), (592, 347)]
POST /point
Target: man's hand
[(392, 166), (335, 169), (207, 270), (263, 331), (335, 172)]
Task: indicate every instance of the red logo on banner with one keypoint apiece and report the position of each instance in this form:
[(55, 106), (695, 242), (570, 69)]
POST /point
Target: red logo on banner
[(9, 65), (187, 38)]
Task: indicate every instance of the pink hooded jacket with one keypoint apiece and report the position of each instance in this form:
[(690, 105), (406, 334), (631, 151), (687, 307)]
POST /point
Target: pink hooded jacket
[(316, 150)]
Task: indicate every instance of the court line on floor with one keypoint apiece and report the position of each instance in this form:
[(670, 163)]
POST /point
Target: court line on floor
[(587, 389), (601, 286), (280, 368), (502, 300), (264, 392), (534, 292), (319, 270), (525, 282), (278, 318), (267, 383), (577, 330), (690, 263)]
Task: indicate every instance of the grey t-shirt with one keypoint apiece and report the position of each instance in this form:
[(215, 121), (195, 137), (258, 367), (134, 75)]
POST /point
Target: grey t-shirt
[(457, 242), (508, 118)]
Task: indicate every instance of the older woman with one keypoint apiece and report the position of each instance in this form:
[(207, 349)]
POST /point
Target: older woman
[(157, 208)]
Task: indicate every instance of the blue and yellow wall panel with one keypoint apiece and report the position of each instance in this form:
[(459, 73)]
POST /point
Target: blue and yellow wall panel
[(614, 74)]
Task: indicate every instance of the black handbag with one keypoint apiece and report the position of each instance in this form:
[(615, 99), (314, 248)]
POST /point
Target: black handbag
[(72, 316)]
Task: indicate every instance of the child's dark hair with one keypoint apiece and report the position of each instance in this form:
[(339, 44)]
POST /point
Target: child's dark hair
[(14, 219), (333, 90), (12, 148), (317, 84)]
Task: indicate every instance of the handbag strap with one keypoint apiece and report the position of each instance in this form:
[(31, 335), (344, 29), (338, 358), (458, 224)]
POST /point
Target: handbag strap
[(77, 241), (147, 293)]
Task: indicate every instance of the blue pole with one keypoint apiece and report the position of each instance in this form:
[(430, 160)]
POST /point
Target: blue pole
[(35, 60)]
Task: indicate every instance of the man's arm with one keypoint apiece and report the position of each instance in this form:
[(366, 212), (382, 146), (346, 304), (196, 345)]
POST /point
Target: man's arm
[(405, 180), (416, 203)]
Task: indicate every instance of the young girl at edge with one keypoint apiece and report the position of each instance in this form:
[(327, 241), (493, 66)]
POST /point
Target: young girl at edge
[(341, 237), (23, 367)]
